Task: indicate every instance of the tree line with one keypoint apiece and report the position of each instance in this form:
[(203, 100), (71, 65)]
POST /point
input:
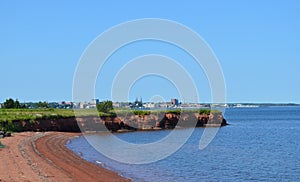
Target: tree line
[(105, 106), (13, 104)]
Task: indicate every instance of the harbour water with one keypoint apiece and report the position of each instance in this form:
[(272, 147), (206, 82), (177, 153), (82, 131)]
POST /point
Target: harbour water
[(260, 144)]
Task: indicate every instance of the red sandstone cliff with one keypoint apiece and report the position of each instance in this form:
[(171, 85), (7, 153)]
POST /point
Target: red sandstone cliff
[(127, 122)]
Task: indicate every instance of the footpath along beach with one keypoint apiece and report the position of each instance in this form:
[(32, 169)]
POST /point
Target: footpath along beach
[(37, 156)]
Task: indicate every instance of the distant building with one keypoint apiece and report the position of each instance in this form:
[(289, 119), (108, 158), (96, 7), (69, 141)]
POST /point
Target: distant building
[(69, 103), (82, 105), (149, 105), (174, 102), (162, 105), (95, 101), (62, 103), (116, 105), (137, 103)]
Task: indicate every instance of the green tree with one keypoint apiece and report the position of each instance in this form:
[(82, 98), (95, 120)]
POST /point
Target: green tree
[(106, 106), (17, 104), (23, 106), (42, 104), (9, 103)]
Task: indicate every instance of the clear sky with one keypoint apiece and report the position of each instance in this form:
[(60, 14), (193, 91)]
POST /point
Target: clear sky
[(257, 43)]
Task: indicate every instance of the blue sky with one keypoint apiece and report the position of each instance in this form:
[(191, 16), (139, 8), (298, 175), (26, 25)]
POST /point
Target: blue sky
[(256, 42)]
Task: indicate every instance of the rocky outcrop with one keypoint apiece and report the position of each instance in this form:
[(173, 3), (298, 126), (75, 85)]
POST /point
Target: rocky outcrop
[(4, 134), (121, 122)]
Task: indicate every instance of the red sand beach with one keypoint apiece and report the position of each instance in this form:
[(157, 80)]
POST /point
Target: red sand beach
[(30, 156)]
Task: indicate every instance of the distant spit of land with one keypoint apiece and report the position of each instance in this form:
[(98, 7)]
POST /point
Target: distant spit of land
[(65, 120)]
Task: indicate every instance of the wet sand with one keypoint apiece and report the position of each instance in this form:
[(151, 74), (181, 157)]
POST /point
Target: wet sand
[(31, 156)]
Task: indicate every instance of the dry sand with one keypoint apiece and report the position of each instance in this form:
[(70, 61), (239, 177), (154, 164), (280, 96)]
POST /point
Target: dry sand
[(30, 156)]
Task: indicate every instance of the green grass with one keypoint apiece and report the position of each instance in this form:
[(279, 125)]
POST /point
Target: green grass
[(9, 115), (208, 111), (34, 114)]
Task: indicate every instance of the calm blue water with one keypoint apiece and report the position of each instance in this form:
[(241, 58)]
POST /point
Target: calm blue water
[(260, 144)]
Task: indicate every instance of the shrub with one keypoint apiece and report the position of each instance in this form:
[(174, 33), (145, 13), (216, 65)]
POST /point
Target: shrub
[(105, 107), (141, 112), (11, 127), (204, 111), (208, 111), (42, 104), (11, 104)]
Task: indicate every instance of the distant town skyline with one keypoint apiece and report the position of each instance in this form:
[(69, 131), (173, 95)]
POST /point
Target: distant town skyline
[(256, 42)]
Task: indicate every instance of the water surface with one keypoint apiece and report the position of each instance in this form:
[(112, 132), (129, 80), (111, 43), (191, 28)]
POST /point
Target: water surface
[(259, 144)]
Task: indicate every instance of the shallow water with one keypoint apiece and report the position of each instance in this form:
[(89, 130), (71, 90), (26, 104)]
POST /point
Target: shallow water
[(259, 144)]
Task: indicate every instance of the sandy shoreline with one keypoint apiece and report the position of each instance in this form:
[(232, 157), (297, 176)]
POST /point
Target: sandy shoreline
[(31, 156)]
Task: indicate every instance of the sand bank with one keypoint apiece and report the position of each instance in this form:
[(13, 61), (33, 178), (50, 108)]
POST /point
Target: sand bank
[(33, 156)]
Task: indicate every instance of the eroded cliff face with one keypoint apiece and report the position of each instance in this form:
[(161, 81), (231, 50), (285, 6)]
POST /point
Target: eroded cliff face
[(123, 123)]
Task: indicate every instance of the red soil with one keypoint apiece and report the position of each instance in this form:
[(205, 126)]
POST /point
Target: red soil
[(32, 156)]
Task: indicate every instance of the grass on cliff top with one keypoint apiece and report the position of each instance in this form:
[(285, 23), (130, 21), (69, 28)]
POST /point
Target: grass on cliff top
[(34, 114)]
